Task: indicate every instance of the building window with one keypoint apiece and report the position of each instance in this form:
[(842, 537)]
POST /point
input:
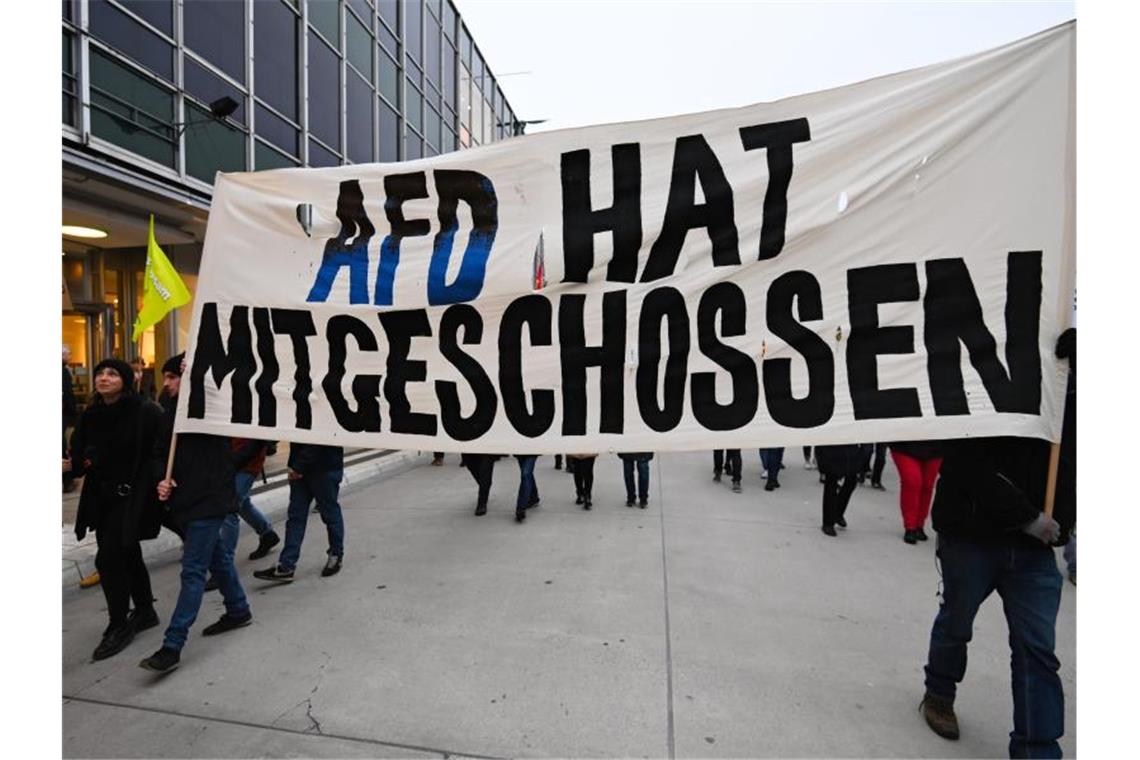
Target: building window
[(275, 55), (465, 46), (432, 126), (363, 9), (390, 80), (449, 75), (431, 60), (413, 31), (324, 92), (413, 147), (157, 13), (132, 39), (276, 130), (70, 86), (388, 40), (212, 146), (215, 29), (131, 110), (389, 134), (324, 15), (207, 87), (448, 20), (389, 12), (265, 157), (414, 111), (321, 156), (359, 124), (359, 46)]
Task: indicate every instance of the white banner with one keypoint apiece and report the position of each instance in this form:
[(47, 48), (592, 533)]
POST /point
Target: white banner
[(885, 261)]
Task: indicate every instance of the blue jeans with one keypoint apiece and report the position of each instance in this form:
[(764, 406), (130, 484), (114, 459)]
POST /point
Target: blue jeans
[(324, 487), (528, 488), (204, 549), (243, 483), (1029, 584), (771, 460), (642, 478)]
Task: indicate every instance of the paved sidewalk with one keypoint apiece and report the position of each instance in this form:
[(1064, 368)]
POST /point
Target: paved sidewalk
[(711, 624)]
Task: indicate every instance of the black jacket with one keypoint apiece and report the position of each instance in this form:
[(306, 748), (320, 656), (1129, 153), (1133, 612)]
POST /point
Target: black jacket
[(843, 459), (918, 449), (311, 458), (113, 448), (203, 471)]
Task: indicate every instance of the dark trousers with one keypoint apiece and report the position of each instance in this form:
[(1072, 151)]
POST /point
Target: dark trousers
[(836, 495), (1029, 584), (583, 476), (642, 478), (879, 463), (528, 487), (772, 460), (122, 572), (729, 461), (807, 453), (482, 468)]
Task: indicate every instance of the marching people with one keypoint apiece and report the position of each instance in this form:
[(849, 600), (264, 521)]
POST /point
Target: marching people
[(315, 473), (840, 466), (640, 460), (727, 460), (583, 477), (143, 380), (70, 412), (113, 449), (198, 495), (528, 487), (482, 468), (249, 460), (917, 463), (993, 535), (772, 460), (877, 451)]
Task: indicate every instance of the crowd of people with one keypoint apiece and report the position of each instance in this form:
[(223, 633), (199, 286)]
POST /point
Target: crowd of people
[(994, 533)]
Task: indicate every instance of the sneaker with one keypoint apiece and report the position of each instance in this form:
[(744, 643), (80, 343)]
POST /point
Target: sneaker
[(841, 522), (162, 661), (268, 540), (141, 620), (332, 565), (911, 537), (275, 573), (939, 714), (921, 534), (716, 476), (579, 500), (480, 510), (89, 580), (587, 504), (212, 583), (809, 465), (629, 501), (770, 485), (115, 640), (828, 529), (520, 514), (736, 486), (643, 503), (226, 623)]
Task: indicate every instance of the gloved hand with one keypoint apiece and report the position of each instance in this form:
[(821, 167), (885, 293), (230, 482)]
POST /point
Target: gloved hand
[(1044, 529), (1067, 345)]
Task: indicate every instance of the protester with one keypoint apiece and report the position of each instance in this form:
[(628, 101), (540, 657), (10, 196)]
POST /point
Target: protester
[(528, 487), (839, 466), (641, 460), (437, 459), (143, 380), (113, 449), (199, 494), (994, 535), (808, 463), (583, 477), (249, 461), (727, 460), (772, 460), (315, 472), (482, 468), (70, 411), (917, 463)]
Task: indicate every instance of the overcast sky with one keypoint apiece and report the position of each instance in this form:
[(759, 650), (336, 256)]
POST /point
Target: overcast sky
[(596, 62)]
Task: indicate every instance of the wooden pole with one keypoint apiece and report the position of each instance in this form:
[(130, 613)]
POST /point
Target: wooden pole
[(170, 456), (1051, 481)]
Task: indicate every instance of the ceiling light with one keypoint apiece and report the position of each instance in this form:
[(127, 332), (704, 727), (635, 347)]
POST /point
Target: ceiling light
[(75, 230)]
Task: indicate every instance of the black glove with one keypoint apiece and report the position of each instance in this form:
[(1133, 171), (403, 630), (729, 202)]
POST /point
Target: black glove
[(1067, 345)]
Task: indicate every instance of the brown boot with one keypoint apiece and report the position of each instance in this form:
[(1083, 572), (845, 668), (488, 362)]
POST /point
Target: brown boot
[(939, 714)]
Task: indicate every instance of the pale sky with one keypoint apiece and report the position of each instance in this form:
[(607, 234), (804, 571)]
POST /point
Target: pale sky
[(597, 62)]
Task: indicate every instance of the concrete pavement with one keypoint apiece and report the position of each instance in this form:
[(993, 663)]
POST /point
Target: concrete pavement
[(711, 624)]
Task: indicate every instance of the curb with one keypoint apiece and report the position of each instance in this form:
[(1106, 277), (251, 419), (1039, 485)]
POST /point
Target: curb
[(272, 498)]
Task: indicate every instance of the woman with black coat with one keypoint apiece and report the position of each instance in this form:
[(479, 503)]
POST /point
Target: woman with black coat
[(840, 467), (114, 448)]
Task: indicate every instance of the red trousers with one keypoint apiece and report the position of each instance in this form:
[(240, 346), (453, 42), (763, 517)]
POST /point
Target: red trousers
[(917, 478)]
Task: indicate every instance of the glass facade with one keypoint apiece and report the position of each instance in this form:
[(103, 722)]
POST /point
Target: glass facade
[(316, 82)]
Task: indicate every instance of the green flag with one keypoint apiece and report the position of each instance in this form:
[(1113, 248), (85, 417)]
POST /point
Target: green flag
[(163, 289)]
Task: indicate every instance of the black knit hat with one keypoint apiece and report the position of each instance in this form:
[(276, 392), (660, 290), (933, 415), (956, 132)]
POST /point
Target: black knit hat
[(173, 365), (120, 368)]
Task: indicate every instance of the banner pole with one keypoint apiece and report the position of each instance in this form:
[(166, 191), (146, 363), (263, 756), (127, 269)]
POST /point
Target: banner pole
[(1051, 482), (170, 456)]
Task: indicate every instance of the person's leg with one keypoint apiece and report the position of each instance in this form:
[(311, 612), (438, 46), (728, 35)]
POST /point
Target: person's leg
[(880, 462), (764, 459), (1070, 553), (1030, 588), (627, 471), (243, 484), (969, 573), (732, 457), (807, 455), (300, 496), (777, 463), (558, 462), (326, 490), (930, 468), (222, 567), (830, 491), (486, 475), (527, 490), (140, 589), (202, 536), (910, 490), (586, 467), (231, 531), (579, 485), (718, 463), (111, 563), (643, 480)]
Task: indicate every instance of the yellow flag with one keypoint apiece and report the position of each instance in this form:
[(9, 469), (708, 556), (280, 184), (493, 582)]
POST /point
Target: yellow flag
[(163, 289)]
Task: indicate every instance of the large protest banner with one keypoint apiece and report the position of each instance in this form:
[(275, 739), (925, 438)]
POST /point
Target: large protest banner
[(888, 260)]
